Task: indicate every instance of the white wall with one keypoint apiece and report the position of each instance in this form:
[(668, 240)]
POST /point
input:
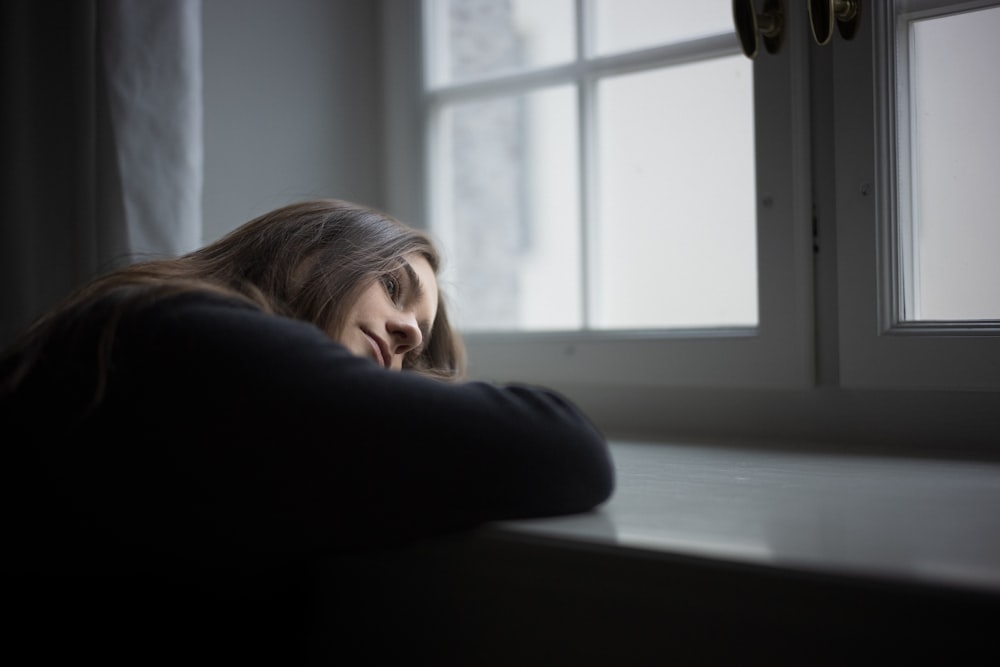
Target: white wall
[(292, 106)]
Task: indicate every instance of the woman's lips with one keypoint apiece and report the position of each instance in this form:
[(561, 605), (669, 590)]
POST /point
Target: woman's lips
[(378, 349)]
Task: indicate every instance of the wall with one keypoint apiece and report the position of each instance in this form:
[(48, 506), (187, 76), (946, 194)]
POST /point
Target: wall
[(292, 106)]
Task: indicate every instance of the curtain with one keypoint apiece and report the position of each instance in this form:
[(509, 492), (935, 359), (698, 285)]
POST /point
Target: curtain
[(102, 143)]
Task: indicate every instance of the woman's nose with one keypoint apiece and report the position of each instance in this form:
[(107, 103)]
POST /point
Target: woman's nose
[(405, 333)]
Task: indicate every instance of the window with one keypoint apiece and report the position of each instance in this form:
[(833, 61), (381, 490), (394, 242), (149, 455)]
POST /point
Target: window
[(949, 158), (530, 109), (809, 201), (592, 175), (919, 280)]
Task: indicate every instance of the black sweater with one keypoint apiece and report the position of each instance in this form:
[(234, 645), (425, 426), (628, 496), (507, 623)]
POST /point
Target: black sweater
[(226, 433)]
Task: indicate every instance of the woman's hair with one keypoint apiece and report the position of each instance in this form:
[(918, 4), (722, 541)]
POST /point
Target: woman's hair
[(309, 261)]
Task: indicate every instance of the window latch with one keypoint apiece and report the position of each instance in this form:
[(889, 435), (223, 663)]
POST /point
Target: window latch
[(752, 28), (768, 26), (822, 14)]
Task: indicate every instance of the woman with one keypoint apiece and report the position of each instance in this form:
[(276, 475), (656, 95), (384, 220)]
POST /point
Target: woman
[(241, 403)]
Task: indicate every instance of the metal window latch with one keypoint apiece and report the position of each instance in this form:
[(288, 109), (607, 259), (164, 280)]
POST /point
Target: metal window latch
[(752, 28), (823, 13), (768, 26)]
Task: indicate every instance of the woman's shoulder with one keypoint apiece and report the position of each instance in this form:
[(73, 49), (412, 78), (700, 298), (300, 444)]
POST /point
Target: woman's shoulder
[(134, 331), (184, 297), (183, 304), (213, 322)]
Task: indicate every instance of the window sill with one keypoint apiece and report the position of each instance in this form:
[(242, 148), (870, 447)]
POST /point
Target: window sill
[(892, 518)]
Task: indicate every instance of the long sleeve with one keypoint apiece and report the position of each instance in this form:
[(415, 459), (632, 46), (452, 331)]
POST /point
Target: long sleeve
[(224, 428)]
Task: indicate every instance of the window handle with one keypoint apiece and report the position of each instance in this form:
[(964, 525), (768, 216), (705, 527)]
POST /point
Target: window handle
[(769, 24), (822, 14)]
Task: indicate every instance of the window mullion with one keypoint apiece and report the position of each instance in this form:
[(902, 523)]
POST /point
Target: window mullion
[(586, 89), (587, 193)]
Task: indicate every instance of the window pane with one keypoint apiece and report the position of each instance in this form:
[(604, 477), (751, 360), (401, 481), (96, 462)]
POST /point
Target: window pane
[(471, 39), (955, 161), (508, 214), (626, 25), (677, 227)]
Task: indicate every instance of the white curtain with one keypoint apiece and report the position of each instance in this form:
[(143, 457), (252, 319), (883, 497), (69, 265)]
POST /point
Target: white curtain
[(151, 52), (102, 135)]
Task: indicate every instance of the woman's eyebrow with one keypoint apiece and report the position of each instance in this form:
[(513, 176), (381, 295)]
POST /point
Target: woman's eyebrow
[(416, 287), (416, 292)]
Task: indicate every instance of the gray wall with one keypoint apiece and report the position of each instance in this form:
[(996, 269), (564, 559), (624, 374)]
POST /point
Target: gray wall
[(292, 106)]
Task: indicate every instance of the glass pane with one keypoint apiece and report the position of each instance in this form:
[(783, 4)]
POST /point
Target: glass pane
[(677, 241), (508, 214), (471, 39), (955, 161), (626, 25)]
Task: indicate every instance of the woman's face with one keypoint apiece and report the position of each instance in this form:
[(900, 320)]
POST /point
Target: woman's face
[(394, 315)]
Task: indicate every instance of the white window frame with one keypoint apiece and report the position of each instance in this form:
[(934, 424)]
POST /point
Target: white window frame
[(845, 381), (779, 352), (877, 348)]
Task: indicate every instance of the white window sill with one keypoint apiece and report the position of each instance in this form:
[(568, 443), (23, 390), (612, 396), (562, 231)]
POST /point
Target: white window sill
[(905, 519)]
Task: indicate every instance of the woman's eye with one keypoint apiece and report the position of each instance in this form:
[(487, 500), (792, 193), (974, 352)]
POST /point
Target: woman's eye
[(391, 286)]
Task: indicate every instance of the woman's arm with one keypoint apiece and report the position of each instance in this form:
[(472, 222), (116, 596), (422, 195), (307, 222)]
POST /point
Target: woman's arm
[(268, 424)]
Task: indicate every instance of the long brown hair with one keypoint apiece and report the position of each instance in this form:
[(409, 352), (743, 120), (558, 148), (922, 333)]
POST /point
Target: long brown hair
[(309, 261)]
